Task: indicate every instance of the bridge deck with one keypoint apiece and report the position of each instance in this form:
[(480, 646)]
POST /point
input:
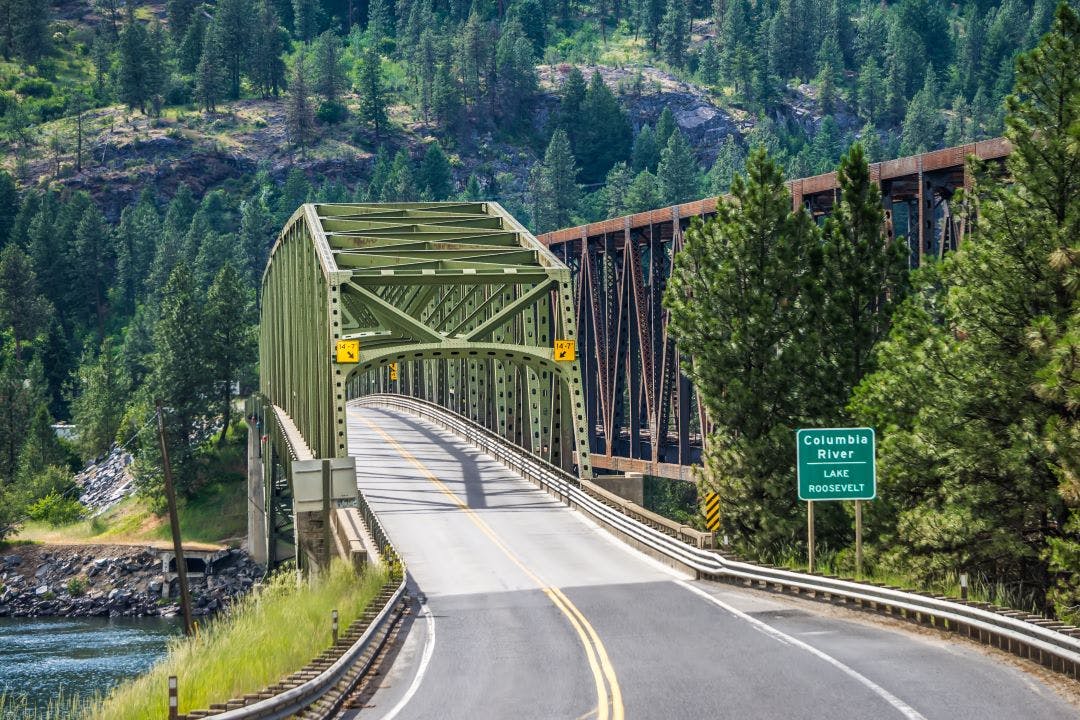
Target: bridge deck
[(504, 568)]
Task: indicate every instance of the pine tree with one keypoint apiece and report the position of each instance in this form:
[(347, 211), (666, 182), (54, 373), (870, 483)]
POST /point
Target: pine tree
[(23, 308), (94, 247), (306, 19), (446, 97), (231, 343), (957, 129), (266, 66), (133, 79), (400, 186), (922, 123), (674, 32), (739, 303), (1041, 208), (256, 235), (24, 30), (371, 90), (569, 115), (40, 450), (645, 154), (135, 240), (665, 126), (678, 173), (709, 68), (299, 115), (553, 187), (472, 191), (234, 27), (871, 142), (730, 161), (210, 77), (975, 472), (190, 48), (867, 279), (182, 14), (515, 70), (644, 193), (871, 91), (616, 189), (434, 177), (157, 74), (9, 206), (329, 66), (179, 378), (98, 407), (380, 169), (604, 134), (379, 22), (295, 192)]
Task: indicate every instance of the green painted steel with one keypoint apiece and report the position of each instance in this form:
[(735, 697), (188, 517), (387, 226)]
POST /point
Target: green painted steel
[(460, 296)]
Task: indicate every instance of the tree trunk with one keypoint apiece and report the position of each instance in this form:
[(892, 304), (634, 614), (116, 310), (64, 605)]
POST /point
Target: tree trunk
[(227, 415)]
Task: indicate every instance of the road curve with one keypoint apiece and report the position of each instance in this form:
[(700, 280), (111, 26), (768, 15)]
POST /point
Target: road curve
[(534, 612)]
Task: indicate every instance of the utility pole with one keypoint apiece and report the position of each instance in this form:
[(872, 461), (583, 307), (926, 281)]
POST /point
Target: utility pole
[(174, 524)]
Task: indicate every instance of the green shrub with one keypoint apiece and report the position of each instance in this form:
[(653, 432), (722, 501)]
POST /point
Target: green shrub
[(331, 113), (76, 586), (34, 87), (56, 510)]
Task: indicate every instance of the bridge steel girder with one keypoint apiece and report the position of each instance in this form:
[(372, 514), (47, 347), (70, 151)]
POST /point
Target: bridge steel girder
[(460, 296), (643, 414)]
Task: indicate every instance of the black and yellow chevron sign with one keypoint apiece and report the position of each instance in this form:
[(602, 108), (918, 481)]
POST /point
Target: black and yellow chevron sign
[(712, 511)]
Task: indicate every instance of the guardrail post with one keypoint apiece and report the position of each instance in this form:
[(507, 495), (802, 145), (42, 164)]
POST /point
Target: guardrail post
[(334, 624), (963, 586), (173, 704)]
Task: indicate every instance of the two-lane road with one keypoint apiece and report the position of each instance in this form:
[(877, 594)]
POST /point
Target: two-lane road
[(533, 612)]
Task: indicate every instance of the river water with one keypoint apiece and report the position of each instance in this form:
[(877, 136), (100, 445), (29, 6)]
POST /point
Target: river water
[(42, 657)]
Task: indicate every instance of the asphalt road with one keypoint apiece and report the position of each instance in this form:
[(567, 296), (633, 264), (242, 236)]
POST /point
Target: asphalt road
[(534, 612)]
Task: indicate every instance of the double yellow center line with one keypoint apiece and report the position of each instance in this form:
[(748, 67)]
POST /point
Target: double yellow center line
[(608, 695)]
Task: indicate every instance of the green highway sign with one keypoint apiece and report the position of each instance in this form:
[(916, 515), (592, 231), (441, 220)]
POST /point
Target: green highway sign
[(836, 464)]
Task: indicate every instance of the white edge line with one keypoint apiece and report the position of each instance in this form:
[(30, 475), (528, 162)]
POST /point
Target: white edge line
[(425, 660), (901, 706)]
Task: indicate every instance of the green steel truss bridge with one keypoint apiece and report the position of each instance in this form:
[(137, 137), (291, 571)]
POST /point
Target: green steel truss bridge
[(453, 303)]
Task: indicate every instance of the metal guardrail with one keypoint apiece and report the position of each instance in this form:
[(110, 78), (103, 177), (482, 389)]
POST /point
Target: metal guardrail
[(1053, 645), (296, 700)]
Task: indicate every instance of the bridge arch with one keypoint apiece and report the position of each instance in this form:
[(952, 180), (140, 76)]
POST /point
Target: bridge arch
[(456, 303)]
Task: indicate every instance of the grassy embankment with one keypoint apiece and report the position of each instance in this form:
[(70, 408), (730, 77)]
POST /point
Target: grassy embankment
[(269, 634), (264, 637), (217, 514)]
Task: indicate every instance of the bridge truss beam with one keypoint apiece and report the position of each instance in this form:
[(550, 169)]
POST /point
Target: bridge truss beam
[(455, 303), (643, 414)]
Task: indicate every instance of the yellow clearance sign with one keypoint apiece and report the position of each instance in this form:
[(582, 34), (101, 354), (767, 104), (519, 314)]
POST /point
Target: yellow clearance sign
[(348, 351), (565, 351), (393, 371)]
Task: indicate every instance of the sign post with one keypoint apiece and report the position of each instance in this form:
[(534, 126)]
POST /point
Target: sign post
[(836, 464), (858, 539)]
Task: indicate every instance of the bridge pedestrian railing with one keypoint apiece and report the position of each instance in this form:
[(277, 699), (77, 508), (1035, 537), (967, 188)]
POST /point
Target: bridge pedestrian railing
[(1049, 643)]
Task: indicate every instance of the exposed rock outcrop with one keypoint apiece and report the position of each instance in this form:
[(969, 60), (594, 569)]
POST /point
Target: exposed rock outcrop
[(112, 581)]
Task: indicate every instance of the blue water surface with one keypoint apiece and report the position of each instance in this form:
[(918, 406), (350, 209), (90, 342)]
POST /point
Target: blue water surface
[(40, 658)]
